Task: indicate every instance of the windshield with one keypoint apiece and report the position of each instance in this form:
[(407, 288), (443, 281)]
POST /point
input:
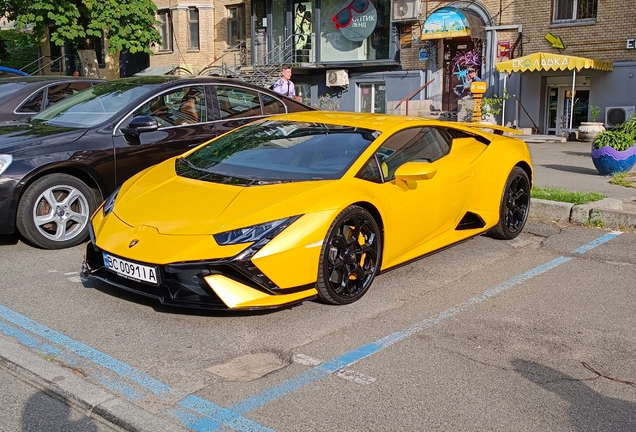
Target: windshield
[(93, 106), (272, 151), (8, 88)]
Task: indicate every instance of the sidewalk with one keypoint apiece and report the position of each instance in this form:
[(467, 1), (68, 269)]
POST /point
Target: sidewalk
[(568, 165)]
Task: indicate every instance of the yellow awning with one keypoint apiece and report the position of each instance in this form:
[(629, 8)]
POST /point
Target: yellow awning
[(548, 61)]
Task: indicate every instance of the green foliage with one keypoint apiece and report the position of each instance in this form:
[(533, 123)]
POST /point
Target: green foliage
[(594, 111), (562, 195), (626, 179), (17, 49), (128, 24), (620, 138)]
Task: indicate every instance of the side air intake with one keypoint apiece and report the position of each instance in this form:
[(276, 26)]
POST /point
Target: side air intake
[(470, 221)]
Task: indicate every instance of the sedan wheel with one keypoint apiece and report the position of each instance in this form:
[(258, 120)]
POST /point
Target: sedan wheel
[(54, 212), (350, 257), (514, 207)]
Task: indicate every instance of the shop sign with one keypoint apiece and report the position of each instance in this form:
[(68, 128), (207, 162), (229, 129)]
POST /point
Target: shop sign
[(503, 50), (357, 20), (631, 44)]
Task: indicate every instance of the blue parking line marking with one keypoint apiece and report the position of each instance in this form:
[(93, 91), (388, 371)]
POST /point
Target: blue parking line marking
[(225, 418), (286, 387), (599, 241), (86, 352)]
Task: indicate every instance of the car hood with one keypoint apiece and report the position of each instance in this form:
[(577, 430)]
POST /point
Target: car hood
[(18, 138), (181, 206)]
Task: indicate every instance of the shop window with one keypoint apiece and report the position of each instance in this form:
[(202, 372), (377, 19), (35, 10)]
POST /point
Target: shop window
[(165, 29), (235, 25), (193, 29), (575, 10)]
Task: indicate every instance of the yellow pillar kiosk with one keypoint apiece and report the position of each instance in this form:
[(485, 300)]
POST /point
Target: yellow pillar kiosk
[(477, 88)]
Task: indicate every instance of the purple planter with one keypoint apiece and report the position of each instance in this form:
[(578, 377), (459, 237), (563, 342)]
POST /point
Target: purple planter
[(609, 161)]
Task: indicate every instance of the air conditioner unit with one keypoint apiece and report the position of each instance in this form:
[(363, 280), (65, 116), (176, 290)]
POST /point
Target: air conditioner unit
[(405, 10), (617, 115), (337, 78)]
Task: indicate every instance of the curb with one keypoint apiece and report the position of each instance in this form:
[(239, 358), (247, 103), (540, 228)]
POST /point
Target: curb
[(607, 213), (91, 400)]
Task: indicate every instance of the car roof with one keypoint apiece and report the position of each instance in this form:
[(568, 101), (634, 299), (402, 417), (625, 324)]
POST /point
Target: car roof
[(169, 80), (379, 122), (44, 79)]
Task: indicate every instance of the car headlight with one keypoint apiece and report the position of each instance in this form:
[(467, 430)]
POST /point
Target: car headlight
[(5, 161), (255, 233), (109, 204)]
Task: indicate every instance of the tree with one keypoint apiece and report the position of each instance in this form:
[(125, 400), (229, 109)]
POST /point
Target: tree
[(128, 24)]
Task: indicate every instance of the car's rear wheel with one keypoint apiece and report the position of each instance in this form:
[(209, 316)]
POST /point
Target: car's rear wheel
[(350, 257), (54, 211), (514, 207)]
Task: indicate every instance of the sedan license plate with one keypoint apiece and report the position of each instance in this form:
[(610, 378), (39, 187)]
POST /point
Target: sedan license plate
[(131, 270)]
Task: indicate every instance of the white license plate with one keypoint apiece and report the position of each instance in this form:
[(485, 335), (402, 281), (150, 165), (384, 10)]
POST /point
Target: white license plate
[(131, 270)]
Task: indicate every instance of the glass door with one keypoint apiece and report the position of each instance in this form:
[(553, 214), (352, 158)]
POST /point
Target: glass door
[(373, 98)]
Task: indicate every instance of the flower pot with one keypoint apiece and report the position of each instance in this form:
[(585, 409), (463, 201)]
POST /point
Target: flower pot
[(589, 130), (609, 161)]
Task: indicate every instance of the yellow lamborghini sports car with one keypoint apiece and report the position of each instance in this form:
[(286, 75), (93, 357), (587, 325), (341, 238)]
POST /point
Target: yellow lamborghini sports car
[(306, 205)]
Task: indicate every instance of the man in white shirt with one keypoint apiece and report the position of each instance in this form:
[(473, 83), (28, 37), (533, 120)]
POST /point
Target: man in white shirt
[(284, 84)]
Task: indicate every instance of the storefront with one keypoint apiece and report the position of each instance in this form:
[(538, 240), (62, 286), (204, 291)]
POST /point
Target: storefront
[(350, 50)]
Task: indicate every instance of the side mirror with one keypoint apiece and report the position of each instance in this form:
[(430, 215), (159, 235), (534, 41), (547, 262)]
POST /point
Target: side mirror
[(411, 171), (141, 124)]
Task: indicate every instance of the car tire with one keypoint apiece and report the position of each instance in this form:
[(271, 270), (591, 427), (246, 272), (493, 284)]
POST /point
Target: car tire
[(347, 267), (514, 207), (54, 211)]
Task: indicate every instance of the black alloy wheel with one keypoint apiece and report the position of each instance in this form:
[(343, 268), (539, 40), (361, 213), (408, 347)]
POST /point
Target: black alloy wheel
[(515, 206), (350, 257)]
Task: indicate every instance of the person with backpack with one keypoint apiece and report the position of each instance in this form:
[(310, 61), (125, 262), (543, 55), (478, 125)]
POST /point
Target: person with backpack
[(284, 84)]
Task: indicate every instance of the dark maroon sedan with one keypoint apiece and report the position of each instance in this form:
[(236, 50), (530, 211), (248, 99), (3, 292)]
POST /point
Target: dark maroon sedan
[(23, 97), (58, 167)]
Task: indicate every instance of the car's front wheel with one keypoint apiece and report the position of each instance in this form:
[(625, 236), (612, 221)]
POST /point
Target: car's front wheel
[(350, 257), (514, 207), (54, 211)]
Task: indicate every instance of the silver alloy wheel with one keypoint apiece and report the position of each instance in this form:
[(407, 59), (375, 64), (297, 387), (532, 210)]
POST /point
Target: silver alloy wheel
[(60, 213)]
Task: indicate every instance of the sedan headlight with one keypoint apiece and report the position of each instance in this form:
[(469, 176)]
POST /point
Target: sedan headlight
[(255, 233), (109, 204), (5, 161)]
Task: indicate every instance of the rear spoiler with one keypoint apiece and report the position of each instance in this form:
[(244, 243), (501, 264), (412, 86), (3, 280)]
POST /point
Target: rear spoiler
[(498, 130)]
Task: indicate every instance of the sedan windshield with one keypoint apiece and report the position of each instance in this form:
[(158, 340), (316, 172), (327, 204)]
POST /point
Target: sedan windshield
[(273, 151), (93, 106), (10, 87)]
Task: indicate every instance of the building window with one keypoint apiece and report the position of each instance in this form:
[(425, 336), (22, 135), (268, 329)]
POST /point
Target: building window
[(165, 30), (193, 29), (235, 24), (574, 10)]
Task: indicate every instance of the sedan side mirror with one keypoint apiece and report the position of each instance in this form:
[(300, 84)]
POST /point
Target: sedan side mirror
[(141, 124)]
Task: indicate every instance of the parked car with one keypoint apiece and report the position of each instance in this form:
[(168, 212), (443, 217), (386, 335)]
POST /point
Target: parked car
[(306, 205), (57, 168), (24, 97)]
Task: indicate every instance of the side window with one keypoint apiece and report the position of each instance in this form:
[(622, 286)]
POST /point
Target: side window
[(272, 105), (370, 171), (33, 104), (61, 91), (417, 144), (236, 102), (181, 106)]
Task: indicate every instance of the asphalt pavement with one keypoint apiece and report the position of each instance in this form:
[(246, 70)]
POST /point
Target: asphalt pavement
[(565, 165)]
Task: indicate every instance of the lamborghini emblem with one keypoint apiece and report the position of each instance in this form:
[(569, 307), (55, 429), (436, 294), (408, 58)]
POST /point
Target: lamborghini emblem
[(133, 242)]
